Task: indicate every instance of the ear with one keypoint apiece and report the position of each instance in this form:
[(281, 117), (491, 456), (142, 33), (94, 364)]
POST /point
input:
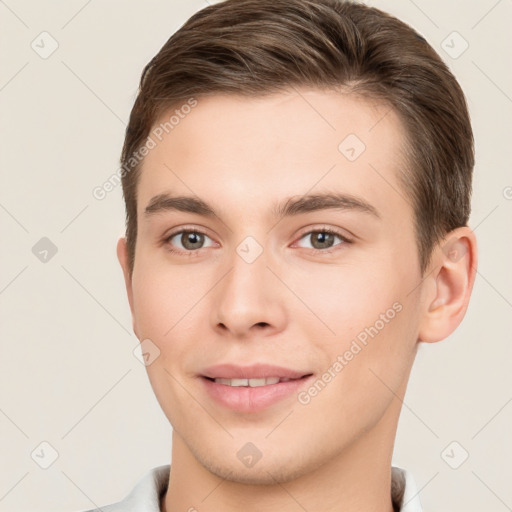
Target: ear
[(448, 285), (122, 256)]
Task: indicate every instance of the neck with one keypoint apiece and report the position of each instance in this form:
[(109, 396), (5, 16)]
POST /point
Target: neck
[(358, 478)]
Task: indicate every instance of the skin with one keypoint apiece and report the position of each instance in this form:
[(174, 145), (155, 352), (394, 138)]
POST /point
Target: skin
[(292, 306)]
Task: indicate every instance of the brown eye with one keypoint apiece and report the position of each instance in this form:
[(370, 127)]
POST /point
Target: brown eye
[(322, 239), (186, 240), (192, 240)]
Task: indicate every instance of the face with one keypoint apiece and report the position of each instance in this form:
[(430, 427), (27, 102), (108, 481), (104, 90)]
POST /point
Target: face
[(263, 273)]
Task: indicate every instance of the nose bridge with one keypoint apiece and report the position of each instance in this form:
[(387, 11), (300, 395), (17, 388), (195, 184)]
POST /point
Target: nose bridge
[(246, 296)]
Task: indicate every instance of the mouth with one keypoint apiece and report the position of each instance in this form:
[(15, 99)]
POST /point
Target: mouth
[(242, 375), (252, 389), (254, 382)]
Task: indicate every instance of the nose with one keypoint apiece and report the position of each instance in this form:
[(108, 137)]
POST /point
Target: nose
[(249, 299)]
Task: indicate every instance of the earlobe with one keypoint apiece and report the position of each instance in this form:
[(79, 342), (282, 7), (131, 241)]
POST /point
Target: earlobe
[(122, 256), (449, 285)]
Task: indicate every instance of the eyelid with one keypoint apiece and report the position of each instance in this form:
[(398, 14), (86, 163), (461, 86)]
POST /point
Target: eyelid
[(349, 238), (194, 229)]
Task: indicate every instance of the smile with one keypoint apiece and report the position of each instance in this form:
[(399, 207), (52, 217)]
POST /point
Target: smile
[(253, 383), (253, 395)]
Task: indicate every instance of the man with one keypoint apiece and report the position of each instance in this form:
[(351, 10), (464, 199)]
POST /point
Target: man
[(297, 177)]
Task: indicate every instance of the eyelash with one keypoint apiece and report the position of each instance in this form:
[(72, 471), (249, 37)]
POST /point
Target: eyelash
[(192, 253)]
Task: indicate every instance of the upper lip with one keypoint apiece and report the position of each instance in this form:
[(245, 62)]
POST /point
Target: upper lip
[(259, 370)]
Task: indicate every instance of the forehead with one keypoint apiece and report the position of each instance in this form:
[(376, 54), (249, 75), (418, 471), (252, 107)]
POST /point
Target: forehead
[(238, 151)]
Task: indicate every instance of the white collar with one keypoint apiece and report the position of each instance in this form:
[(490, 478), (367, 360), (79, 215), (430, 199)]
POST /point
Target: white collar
[(411, 499)]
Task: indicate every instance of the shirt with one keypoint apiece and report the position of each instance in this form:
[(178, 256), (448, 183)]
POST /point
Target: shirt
[(146, 495)]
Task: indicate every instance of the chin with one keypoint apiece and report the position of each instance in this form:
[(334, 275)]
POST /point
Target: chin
[(264, 472)]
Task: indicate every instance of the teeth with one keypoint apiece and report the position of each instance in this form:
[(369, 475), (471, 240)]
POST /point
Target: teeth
[(253, 383), (263, 382), (239, 382)]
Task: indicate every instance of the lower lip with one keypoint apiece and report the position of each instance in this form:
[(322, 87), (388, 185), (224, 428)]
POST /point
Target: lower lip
[(247, 399)]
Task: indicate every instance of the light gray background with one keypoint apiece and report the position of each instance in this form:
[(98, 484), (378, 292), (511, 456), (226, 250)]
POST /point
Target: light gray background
[(68, 374)]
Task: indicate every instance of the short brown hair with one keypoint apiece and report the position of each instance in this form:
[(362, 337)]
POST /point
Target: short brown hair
[(259, 47)]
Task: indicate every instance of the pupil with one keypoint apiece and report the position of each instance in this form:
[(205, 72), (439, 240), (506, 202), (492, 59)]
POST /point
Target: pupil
[(191, 239), (323, 239)]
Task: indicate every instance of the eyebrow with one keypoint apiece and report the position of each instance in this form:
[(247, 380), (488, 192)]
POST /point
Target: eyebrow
[(291, 207)]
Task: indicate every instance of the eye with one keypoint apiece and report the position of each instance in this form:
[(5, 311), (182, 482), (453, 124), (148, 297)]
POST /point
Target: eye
[(322, 239), (191, 240)]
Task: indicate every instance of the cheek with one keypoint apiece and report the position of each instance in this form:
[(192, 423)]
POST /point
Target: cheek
[(163, 309), (164, 297), (365, 369), (369, 320), (169, 309), (344, 299)]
